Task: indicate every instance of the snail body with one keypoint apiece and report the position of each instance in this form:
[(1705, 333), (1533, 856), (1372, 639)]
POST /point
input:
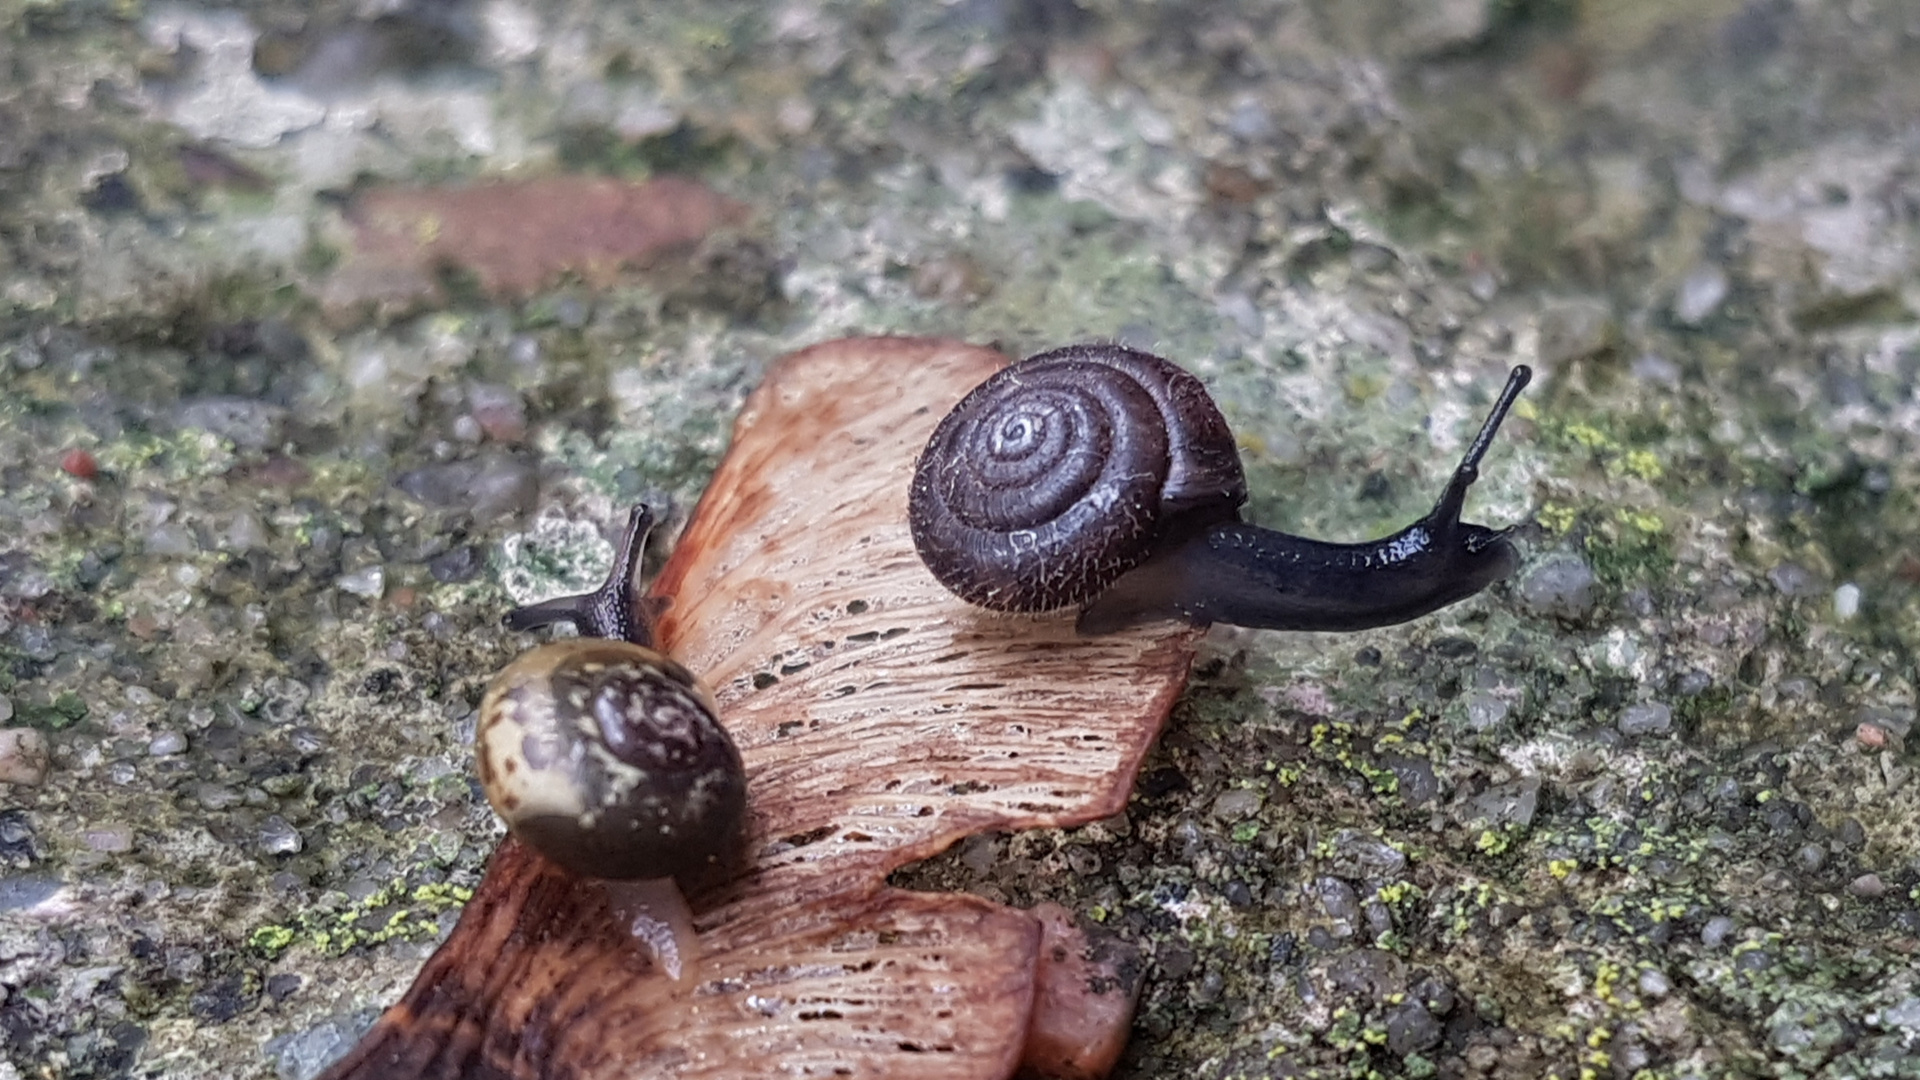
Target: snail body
[(608, 758), (1104, 477)]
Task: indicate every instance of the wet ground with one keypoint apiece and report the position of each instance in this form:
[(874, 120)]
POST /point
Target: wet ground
[(267, 480)]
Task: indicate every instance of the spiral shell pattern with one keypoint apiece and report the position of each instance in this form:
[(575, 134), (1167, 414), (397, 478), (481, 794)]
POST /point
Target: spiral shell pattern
[(1058, 474)]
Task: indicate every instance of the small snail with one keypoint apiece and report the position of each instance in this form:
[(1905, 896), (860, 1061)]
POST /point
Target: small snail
[(605, 756), (1101, 476)]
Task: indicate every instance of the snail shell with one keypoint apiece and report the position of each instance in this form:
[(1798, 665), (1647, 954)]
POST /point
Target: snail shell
[(1058, 474), (606, 757)]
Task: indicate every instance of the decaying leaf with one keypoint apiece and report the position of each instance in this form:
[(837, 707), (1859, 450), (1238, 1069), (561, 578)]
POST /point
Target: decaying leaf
[(880, 720), (516, 237), (1083, 998), (538, 981)]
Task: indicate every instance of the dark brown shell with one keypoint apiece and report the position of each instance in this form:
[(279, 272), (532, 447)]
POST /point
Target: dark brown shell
[(1060, 473)]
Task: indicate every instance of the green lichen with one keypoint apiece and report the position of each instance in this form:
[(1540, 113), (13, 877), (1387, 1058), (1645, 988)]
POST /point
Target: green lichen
[(394, 912)]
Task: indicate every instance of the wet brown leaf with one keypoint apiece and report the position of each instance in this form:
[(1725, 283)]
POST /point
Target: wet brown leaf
[(880, 720), (1083, 998), (538, 981)]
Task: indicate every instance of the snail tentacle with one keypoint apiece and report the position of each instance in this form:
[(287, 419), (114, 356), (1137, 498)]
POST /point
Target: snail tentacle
[(614, 609)]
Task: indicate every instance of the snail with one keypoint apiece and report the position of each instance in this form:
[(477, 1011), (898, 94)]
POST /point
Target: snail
[(1105, 477), (606, 757)]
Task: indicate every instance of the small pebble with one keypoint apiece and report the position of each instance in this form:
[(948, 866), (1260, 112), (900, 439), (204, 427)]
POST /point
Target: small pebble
[(369, 582), (1560, 585), (1379, 917), (303, 1054), (21, 893), (1906, 1014), (456, 564), (1846, 602), (1371, 973), (487, 486), (6, 708), (214, 797), (166, 744), (1867, 887), (1418, 783), (1573, 330), (1082, 861), (1654, 368), (1655, 984), (1435, 993), (248, 424), (283, 699), (1211, 986), (279, 838), (1340, 902), (1648, 718), (1716, 932), (1237, 804), (1411, 1029), (281, 987), (978, 853), (247, 532), (1811, 857), (1700, 294), (1176, 961), (171, 540), (1792, 579), (1485, 711), (498, 411), (112, 839), (1692, 683), (23, 579), (23, 756), (1630, 1056), (1852, 834), (1506, 804), (1361, 855), (79, 464)]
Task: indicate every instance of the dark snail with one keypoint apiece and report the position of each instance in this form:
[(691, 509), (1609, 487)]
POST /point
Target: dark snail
[(1102, 476), (605, 756)]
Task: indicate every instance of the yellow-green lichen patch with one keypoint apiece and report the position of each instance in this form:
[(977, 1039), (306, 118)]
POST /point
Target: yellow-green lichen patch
[(394, 912)]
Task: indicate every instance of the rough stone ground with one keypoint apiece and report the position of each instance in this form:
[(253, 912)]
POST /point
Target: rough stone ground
[(1649, 809)]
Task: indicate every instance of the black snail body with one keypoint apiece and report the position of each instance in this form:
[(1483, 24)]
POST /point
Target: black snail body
[(1104, 477), (607, 758)]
